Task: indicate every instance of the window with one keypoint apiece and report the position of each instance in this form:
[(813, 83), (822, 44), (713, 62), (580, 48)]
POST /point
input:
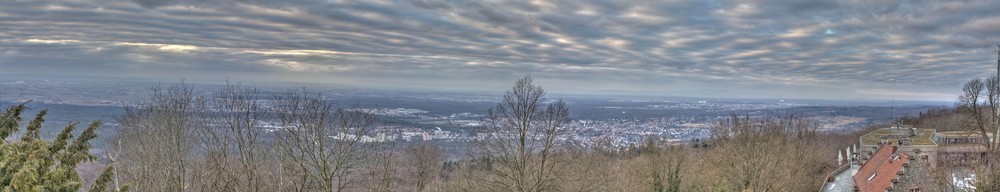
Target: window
[(872, 177)]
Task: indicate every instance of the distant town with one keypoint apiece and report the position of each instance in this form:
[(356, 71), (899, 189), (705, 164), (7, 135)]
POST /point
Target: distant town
[(446, 117)]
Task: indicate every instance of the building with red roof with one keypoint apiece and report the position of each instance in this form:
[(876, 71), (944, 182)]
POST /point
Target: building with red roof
[(882, 170)]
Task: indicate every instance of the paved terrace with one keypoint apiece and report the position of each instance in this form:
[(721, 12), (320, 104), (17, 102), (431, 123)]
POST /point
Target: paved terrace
[(843, 181)]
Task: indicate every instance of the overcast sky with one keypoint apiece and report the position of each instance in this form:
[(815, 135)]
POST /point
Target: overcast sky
[(850, 49)]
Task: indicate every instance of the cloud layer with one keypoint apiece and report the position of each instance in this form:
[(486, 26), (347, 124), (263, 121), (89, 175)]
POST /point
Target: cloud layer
[(778, 48)]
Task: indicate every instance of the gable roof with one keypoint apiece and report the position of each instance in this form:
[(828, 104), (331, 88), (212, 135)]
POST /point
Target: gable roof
[(878, 172)]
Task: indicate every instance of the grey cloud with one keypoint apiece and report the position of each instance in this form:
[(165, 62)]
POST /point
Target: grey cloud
[(152, 4), (656, 47), (432, 4)]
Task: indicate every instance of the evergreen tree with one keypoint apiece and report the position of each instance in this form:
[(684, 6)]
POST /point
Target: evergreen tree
[(32, 164)]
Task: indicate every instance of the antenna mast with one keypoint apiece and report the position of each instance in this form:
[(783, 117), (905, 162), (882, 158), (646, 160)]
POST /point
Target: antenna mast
[(996, 110), (892, 112)]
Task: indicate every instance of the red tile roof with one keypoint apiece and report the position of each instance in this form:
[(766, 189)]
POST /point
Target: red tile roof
[(879, 171)]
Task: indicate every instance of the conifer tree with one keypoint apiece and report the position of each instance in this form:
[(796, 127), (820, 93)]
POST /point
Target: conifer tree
[(29, 163)]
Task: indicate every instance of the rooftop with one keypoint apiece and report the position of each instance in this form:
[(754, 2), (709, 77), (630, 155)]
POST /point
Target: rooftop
[(893, 135), (960, 133), (878, 173)]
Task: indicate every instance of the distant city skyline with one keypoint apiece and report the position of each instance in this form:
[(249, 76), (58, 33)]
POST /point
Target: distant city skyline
[(791, 49)]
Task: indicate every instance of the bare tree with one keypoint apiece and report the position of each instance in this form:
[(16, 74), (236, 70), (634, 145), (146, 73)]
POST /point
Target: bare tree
[(755, 154), (988, 173), (380, 168), (230, 135), (979, 101), (423, 164), (525, 130), (157, 140), (321, 146), (585, 170), (940, 118)]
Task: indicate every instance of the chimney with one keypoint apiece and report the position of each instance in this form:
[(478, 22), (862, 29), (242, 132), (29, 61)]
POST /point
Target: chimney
[(894, 149)]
